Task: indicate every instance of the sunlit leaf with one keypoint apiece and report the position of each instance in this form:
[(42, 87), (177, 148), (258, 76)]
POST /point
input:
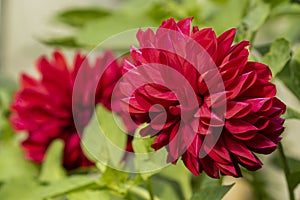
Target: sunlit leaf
[(96, 32), (20, 188), (278, 56), (228, 15), (13, 163), (52, 169), (181, 180), (103, 140), (89, 195), (67, 185)]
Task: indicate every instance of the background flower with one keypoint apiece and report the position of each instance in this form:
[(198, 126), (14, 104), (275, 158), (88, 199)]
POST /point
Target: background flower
[(251, 123), (43, 107)]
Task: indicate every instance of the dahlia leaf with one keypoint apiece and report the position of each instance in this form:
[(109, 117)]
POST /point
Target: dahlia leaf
[(13, 164), (290, 75), (293, 163), (92, 34), (118, 181), (212, 192), (6, 132), (68, 41), (52, 169), (228, 16), (67, 185), (275, 2), (258, 182), (142, 144), (164, 190), (278, 56), (182, 179), (291, 113), (78, 17), (103, 138), (286, 9), (89, 194), (20, 188), (112, 177), (4, 99), (254, 19), (294, 179)]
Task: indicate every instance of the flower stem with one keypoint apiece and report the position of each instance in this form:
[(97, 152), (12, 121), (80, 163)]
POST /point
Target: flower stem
[(141, 193), (286, 170), (149, 187)]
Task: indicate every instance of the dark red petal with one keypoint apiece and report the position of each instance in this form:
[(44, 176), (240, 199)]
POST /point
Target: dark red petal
[(237, 109), (192, 163), (239, 126), (224, 43), (185, 25), (261, 144)]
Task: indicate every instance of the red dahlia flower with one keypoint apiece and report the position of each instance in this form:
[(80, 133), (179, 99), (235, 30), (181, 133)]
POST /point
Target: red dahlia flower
[(233, 98), (43, 107)]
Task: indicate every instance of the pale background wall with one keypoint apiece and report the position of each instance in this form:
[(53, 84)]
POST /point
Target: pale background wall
[(26, 19)]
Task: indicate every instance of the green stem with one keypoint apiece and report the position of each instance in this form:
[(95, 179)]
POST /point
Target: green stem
[(141, 192), (286, 170), (150, 190)]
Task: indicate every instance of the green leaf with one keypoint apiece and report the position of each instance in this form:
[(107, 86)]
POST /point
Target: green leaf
[(164, 190), (259, 184), (89, 195), (78, 17), (5, 97), (293, 163), (229, 15), (161, 10), (286, 9), (278, 56), (52, 169), (20, 188), (294, 179), (103, 140), (68, 41), (67, 185), (13, 164), (291, 113), (142, 144), (254, 19), (114, 177), (290, 75), (118, 25), (275, 2), (181, 181), (211, 192)]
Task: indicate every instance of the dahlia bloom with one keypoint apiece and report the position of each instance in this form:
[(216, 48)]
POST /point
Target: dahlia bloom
[(233, 98), (43, 107)]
